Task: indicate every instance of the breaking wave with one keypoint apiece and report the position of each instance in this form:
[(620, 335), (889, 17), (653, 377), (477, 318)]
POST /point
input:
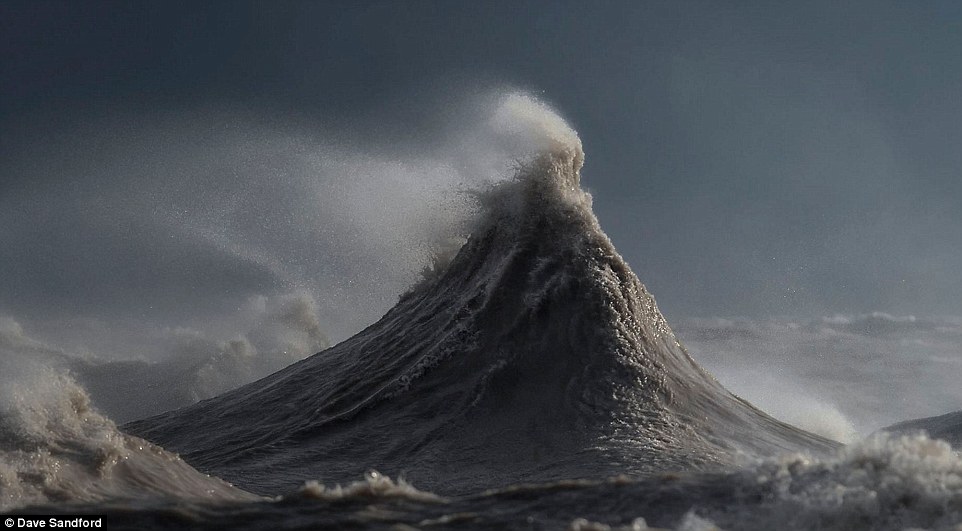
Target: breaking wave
[(536, 354), (192, 365), (55, 448)]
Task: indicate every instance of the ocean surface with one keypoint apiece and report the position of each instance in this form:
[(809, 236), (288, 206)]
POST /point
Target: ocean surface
[(528, 380)]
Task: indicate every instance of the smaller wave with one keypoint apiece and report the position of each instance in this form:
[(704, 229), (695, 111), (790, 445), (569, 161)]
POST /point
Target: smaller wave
[(690, 522), (883, 482), (374, 486), (877, 323), (947, 427), (274, 332), (55, 448)]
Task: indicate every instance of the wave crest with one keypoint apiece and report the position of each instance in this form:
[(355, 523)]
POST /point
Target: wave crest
[(55, 448)]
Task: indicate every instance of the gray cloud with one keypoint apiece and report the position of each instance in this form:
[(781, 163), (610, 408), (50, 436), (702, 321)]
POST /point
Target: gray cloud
[(746, 159)]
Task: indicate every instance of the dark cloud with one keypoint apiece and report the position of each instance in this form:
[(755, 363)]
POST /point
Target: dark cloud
[(746, 159)]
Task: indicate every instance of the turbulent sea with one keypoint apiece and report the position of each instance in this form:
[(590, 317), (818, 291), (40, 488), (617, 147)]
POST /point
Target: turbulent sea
[(527, 381)]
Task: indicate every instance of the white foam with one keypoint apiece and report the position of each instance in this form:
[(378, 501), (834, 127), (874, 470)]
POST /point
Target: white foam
[(884, 482), (56, 448), (524, 119), (374, 485)]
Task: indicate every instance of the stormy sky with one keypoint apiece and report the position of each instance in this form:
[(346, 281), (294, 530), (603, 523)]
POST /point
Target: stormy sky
[(788, 158)]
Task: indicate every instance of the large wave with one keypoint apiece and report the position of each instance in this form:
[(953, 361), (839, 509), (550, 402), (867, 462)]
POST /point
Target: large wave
[(528, 380), (535, 354)]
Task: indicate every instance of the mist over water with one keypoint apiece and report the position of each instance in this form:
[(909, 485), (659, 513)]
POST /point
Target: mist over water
[(842, 376)]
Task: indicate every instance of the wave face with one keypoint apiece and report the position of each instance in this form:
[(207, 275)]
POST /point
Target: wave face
[(535, 354)]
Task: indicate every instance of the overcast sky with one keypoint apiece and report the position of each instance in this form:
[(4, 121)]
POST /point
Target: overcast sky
[(787, 158)]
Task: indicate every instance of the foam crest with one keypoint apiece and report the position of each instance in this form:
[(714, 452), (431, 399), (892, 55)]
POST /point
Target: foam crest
[(525, 120), (523, 117), (54, 447), (883, 482), (374, 486)]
